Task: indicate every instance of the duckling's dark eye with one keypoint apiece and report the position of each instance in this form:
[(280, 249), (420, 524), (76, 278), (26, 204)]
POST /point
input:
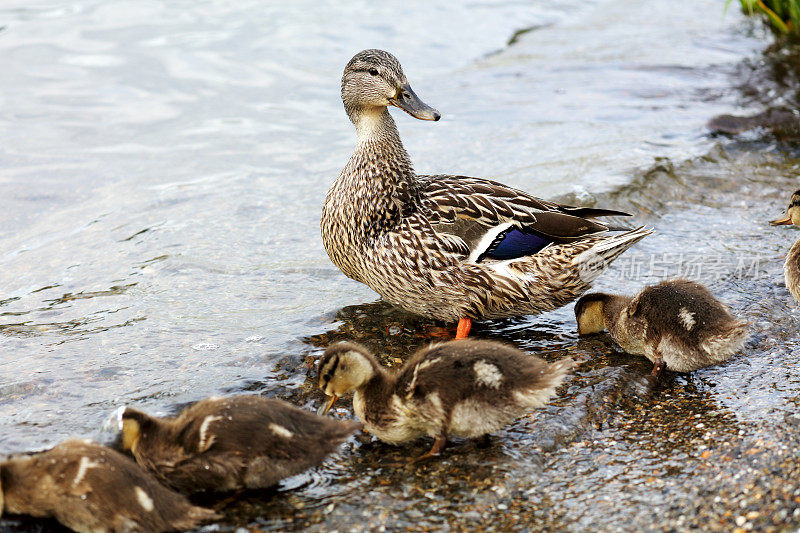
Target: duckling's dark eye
[(327, 377), (373, 71)]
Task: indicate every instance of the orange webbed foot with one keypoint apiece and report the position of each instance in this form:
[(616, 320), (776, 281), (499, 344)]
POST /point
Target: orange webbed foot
[(464, 325)]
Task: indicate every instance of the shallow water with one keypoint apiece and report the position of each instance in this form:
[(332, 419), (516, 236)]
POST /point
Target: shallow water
[(162, 174)]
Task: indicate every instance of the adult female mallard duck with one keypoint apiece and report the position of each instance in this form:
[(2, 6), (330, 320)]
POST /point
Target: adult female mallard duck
[(676, 324), (91, 488), (791, 268), (223, 444), (449, 247), (463, 388)]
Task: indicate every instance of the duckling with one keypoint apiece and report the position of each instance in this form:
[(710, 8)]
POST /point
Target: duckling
[(464, 388), (225, 444), (91, 488), (791, 268), (676, 324)]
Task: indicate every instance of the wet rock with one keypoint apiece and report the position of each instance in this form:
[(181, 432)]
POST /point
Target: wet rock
[(783, 123), (793, 419)]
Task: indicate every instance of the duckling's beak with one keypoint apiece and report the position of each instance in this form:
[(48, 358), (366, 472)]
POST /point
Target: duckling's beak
[(407, 100), (325, 407), (785, 221)]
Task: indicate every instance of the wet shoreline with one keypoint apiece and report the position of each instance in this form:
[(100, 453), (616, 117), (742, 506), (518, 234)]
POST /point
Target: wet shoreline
[(615, 450)]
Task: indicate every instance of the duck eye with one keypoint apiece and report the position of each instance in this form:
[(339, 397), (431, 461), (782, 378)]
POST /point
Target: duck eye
[(373, 71), (327, 377)]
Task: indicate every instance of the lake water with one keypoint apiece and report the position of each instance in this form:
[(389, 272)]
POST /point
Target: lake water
[(163, 166)]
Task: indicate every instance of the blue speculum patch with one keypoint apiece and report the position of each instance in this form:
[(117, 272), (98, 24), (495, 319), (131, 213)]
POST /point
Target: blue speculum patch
[(515, 243)]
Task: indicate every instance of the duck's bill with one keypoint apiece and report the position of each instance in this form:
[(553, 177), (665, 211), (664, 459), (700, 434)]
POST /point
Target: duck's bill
[(785, 221), (325, 407), (407, 100)]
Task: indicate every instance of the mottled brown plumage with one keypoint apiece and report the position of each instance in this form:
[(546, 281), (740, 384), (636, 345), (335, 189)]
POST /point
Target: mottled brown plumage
[(675, 323), (791, 268), (426, 243), (223, 444), (91, 488), (463, 388)]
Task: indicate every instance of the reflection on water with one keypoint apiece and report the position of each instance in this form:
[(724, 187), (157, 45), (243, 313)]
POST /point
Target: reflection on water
[(164, 165)]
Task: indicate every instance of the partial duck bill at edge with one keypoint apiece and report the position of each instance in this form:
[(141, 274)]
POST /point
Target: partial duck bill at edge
[(785, 221), (325, 407)]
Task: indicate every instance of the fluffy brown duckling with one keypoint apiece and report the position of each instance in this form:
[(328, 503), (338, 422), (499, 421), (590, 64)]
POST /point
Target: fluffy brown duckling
[(791, 268), (223, 444), (91, 488), (463, 388), (676, 324)]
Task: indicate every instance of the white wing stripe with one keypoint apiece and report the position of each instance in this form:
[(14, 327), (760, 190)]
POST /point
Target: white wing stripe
[(487, 240)]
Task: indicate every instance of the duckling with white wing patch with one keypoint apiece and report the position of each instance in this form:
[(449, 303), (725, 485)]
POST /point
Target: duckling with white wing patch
[(224, 444), (677, 324), (91, 488), (464, 388)]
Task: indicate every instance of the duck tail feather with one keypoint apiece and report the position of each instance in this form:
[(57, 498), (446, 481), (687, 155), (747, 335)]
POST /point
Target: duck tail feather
[(593, 212), (592, 262)]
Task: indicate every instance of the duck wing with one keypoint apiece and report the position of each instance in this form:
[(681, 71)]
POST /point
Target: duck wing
[(499, 222)]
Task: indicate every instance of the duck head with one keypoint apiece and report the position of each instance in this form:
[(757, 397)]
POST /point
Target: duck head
[(792, 213), (344, 367), (589, 313), (374, 80), (135, 425)]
